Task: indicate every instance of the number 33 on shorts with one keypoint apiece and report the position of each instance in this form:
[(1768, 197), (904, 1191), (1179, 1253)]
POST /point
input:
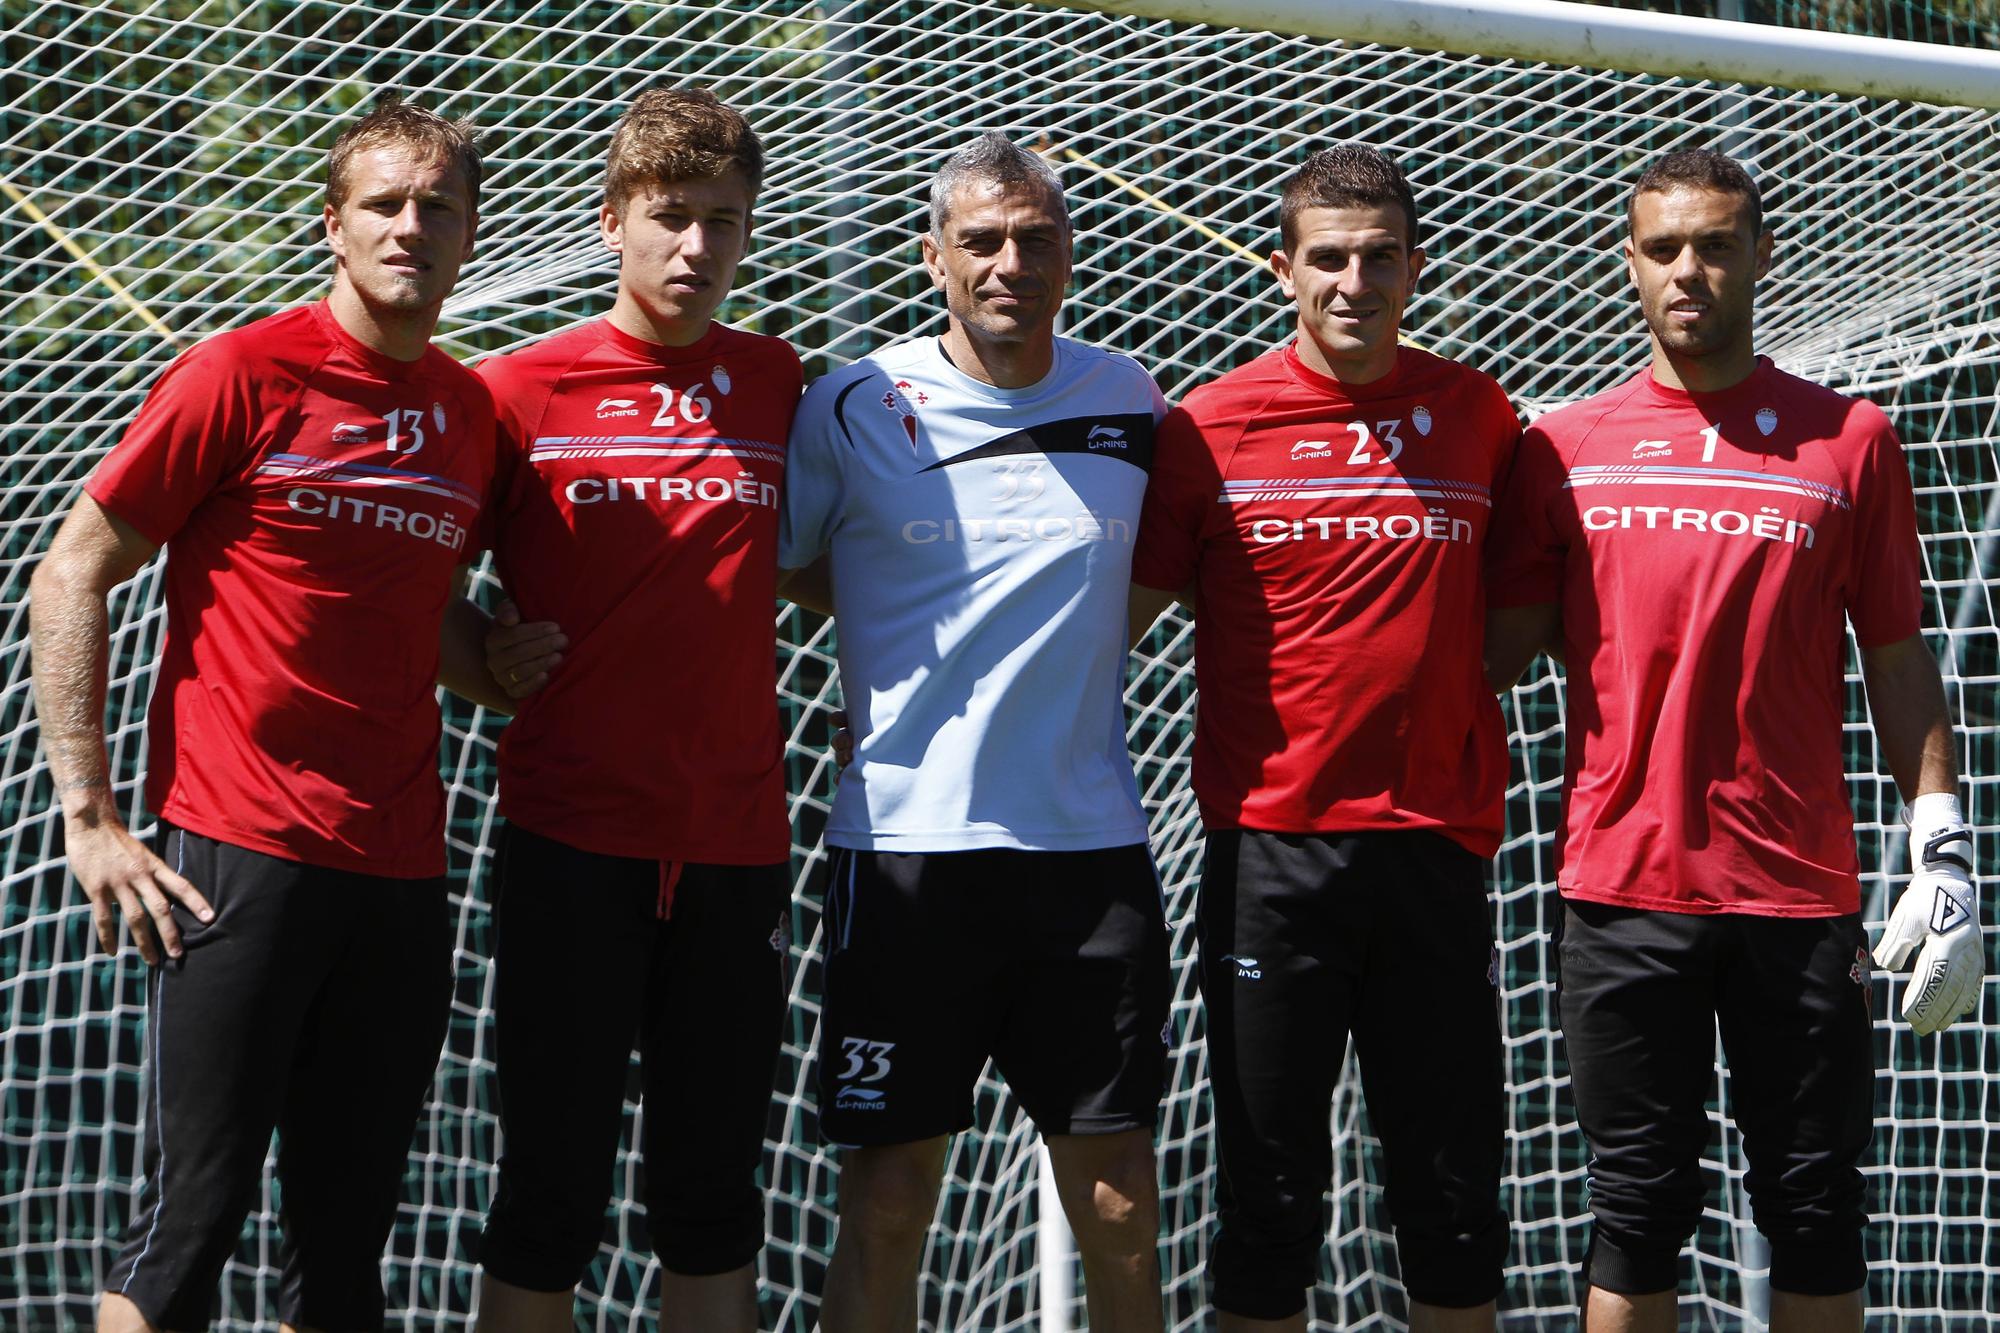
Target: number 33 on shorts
[(867, 1062), (865, 1055)]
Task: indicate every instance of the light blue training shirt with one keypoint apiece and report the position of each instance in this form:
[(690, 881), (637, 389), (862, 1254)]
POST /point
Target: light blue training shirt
[(981, 550)]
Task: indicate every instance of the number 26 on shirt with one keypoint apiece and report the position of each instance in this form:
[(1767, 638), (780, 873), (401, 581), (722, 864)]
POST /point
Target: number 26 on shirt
[(692, 403)]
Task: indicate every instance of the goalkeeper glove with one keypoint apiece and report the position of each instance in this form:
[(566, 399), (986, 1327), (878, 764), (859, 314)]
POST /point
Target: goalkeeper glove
[(1940, 912)]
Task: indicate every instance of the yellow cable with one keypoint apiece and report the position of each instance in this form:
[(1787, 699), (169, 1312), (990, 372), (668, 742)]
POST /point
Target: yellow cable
[(83, 257), (1160, 205), (1153, 201)]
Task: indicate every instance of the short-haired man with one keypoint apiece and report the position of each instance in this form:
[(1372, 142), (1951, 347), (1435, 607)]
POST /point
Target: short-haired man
[(315, 477), (991, 892), (1699, 532), (644, 895), (1329, 503)]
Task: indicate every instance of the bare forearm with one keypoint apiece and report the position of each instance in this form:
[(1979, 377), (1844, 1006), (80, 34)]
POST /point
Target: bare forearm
[(1912, 720), (462, 665), (68, 629), (1144, 606), (811, 587), (1514, 636)]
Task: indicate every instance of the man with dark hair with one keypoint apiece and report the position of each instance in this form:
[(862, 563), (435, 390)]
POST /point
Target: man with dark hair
[(315, 477), (1327, 505), (1346, 176), (643, 894), (1690, 542), (991, 892), (1699, 169)]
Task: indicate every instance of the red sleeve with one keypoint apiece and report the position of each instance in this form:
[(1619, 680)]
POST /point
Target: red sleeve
[(197, 425), (1524, 553), (1506, 434), (1885, 585), (518, 399), (1183, 488)]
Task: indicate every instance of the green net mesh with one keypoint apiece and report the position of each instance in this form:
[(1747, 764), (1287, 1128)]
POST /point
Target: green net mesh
[(171, 151)]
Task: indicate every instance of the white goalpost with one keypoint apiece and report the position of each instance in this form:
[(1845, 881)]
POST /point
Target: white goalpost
[(160, 183)]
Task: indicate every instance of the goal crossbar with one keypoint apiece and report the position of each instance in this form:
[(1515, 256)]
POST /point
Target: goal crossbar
[(1634, 41)]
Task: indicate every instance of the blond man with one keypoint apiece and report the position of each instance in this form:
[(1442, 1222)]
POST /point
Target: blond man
[(314, 477)]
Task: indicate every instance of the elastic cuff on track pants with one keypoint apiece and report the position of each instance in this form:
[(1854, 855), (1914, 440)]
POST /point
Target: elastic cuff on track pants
[(1819, 1268), (695, 1257), (1631, 1268), (1260, 1282), (1456, 1272)]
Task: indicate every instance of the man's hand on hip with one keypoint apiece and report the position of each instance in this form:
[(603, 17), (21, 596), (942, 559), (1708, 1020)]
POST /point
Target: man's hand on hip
[(121, 874)]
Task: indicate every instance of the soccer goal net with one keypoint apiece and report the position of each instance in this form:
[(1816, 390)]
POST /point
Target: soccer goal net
[(161, 172)]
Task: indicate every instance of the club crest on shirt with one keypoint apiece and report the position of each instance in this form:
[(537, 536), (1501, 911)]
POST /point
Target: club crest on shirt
[(897, 400), (1767, 419), (720, 379), (1421, 419), (437, 415)]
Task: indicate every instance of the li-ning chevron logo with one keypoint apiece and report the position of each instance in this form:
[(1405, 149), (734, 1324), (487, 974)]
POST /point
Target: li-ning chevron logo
[(1104, 437), (1247, 969)]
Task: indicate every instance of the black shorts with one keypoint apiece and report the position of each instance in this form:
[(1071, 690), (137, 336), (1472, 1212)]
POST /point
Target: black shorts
[(1054, 964), (1387, 935), (315, 1003), (1641, 995), (594, 954)]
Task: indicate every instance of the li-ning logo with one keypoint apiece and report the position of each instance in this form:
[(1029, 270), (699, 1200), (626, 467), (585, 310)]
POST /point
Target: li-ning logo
[(617, 407), (1105, 437), (1652, 449), (346, 432), (1312, 449), (1247, 969), (852, 1098)]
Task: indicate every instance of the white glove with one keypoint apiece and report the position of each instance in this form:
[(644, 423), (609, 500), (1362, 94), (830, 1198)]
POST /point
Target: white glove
[(1940, 911)]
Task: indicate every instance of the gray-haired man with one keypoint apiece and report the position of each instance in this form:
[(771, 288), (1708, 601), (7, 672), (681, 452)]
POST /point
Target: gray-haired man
[(975, 497)]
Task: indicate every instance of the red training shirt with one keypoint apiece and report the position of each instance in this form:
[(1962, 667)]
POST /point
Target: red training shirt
[(640, 513), (1334, 535), (1703, 549), (314, 497)]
